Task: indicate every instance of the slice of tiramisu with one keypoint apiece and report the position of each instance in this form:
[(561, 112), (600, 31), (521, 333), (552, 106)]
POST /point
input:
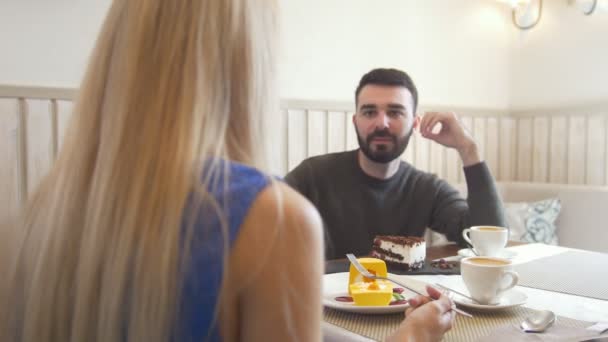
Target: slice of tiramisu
[(403, 252)]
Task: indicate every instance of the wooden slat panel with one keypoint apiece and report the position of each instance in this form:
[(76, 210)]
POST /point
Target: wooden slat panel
[(491, 154), (422, 153), (433, 162), (336, 132), (28, 92), (558, 149), (22, 151), (468, 125), (39, 141), (524, 149), (538, 149), (296, 128), (508, 161), (9, 164), (480, 134), (540, 152), (467, 121), (596, 153), (317, 133), (54, 109), (576, 149), (606, 147), (408, 154), (436, 159), (63, 118), (278, 145), (453, 165), (351, 134)]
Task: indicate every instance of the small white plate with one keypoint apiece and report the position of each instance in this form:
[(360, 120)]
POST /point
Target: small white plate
[(510, 299), (336, 285), (505, 253)]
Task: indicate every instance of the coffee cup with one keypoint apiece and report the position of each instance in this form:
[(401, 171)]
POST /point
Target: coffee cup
[(488, 278), (486, 240)]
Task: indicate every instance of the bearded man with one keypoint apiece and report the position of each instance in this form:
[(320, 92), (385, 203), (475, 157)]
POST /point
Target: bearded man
[(372, 191)]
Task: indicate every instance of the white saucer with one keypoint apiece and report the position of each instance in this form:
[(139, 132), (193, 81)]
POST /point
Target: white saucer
[(505, 253), (510, 299), (336, 285)]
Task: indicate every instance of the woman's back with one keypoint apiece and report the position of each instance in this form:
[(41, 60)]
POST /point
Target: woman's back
[(209, 237), (260, 242)]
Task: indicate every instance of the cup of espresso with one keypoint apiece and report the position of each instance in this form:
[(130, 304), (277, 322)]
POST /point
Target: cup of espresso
[(488, 278), (486, 240)]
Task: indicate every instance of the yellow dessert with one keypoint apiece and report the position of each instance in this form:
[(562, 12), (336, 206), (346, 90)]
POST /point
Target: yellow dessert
[(366, 291)]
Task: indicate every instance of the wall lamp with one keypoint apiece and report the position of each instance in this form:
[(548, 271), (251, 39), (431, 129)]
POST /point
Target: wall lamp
[(526, 14)]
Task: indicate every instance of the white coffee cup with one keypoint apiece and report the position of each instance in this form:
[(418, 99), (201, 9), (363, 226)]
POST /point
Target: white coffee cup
[(488, 278), (487, 240)]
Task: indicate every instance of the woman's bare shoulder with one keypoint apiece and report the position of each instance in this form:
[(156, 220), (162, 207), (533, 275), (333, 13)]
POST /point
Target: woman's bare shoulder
[(280, 222)]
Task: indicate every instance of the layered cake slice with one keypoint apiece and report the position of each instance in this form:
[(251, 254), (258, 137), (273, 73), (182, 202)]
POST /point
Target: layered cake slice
[(403, 252)]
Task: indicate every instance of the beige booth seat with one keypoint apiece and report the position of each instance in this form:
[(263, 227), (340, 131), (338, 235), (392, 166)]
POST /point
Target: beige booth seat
[(583, 219)]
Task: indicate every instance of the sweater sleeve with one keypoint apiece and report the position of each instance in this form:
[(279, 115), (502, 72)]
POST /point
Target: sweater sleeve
[(451, 214), (299, 179), (302, 179)]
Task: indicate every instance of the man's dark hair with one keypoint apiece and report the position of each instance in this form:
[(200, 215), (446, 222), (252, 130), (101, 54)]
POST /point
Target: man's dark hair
[(389, 77)]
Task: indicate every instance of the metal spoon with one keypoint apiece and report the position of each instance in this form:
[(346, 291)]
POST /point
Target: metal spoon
[(458, 293), (539, 322)]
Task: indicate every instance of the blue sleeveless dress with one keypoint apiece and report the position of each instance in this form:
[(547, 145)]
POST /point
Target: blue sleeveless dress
[(203, 276)]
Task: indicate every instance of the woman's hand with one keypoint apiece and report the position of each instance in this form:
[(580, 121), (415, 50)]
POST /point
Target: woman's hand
[(426, 319)]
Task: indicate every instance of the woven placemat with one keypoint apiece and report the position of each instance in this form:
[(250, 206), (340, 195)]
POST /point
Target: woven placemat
[(580, 273), (378, 327)]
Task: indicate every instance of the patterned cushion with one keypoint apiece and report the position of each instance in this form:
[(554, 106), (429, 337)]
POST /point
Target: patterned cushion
[(533, 222), (527, 222)]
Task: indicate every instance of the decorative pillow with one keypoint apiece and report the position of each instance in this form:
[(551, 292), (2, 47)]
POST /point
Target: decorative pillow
[(533, 222)]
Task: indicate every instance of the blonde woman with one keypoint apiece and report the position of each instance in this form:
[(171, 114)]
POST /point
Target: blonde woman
[(157, 221)]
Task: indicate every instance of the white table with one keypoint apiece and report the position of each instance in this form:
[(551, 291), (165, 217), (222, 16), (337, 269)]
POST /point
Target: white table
[(571, 306)]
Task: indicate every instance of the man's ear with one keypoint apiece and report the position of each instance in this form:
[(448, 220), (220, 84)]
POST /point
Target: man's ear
[(354, 115), (416, 123)]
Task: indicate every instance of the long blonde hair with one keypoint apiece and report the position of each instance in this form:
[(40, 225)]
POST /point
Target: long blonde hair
[(171, 85)]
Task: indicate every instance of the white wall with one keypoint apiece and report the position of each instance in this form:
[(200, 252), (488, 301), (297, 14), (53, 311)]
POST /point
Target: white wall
[(462, 53), (456, 51), (47, 43), (563, 61)]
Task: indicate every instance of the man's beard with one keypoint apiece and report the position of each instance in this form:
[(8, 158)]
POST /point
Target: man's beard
[(383, 153)]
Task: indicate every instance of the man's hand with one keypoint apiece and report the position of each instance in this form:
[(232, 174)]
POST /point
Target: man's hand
[(452, 133)]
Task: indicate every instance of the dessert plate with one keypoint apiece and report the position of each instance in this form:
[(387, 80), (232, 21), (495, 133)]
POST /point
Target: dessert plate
[(505, 253), (510, 299), (335, 285)]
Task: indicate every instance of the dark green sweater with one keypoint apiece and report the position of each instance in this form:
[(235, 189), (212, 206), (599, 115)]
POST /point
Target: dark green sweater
[(356, 207)]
